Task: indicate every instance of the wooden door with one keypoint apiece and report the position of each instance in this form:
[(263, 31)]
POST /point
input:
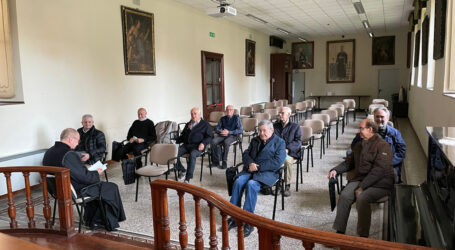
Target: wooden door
[(280, 76), (212, 82)]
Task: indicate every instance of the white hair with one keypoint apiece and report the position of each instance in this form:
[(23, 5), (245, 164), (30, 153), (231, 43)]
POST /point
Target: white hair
[(267, 123), (87, 116), (288, 109)]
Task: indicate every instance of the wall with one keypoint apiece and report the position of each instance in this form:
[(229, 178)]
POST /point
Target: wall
[(366, 75), (70, 62)]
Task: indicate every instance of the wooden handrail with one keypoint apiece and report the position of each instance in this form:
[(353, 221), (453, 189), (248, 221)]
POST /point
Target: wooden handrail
[(270, 231), (65, 207)]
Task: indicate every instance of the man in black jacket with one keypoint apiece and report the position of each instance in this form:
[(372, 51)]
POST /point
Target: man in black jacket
[(196, 135), (92, 142), (62, 155)]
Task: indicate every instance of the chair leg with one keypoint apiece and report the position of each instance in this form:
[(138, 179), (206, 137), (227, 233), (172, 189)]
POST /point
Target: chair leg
[(322, 147), (354, 114), (282, 194), (80, 217), (235, 154), (297, 175), (137, 185), (105, 175), (274, 204), (202, 162), (53, 213)]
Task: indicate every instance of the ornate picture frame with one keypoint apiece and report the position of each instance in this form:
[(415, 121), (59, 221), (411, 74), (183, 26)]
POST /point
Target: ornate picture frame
[(341, 61), (138, 41), (383, 50), (303, 55), (250, 57)]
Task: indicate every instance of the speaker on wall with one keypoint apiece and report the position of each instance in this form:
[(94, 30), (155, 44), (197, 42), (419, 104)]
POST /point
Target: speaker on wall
[(276, 41)]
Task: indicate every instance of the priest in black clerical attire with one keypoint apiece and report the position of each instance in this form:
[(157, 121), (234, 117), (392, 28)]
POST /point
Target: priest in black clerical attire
[(63, 155), (140, 135)]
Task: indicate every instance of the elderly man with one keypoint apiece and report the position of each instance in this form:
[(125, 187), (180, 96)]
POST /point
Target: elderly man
[(391, 136), (290, 132), (140, 135), (372, 178), (62, 155), (228, 129), (261, 162), (92, 143), (196, 135)]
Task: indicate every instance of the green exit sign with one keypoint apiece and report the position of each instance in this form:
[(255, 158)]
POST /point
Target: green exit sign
[(212, 34)]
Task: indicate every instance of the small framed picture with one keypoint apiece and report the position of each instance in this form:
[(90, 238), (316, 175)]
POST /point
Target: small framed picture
[(250, 53), (303, 55)]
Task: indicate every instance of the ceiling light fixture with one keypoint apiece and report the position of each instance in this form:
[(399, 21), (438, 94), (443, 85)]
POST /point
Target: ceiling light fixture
[(256, 18), (366, 24), (371, 34), (359, 7), (302, 39), (283, 31)]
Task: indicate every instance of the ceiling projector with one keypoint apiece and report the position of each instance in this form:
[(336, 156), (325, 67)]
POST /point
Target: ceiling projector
[(222, 11)]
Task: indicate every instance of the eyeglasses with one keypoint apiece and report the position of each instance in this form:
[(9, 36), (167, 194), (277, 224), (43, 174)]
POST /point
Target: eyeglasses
[(282, 113), (362, 128)]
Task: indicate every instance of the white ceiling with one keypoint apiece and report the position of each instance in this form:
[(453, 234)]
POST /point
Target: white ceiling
[(314, 18)]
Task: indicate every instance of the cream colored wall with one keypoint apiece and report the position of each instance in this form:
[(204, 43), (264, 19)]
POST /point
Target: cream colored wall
[(71, 63), (366, 75)]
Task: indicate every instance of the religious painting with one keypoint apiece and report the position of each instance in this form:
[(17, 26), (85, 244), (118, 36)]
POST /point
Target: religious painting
[(138, 41), (341, 61), (408, 48), (425, 37), (303, 55), (250, 53), (383, 50), (416, 49), (439, 28)]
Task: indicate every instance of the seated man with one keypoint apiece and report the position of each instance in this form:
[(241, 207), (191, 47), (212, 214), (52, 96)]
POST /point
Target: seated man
[(228, 129), (261, 162), (196, 135), (372, 178), (92, 143), (290, 132), (391, 136), (140, 135), (62, 155)]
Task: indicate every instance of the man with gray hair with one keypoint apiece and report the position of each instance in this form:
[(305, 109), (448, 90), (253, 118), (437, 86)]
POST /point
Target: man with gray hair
[(92, 143), (290, 132), (261, 163), (371, 178)]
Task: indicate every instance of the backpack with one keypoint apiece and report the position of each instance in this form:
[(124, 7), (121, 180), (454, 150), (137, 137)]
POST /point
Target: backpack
[(164, 131), (128, 170), (231, 172)]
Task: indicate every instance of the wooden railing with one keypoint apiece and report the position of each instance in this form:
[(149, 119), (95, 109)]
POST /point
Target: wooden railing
[(270, 232), (64, 200)]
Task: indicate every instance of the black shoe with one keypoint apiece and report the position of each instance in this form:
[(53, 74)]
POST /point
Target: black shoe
[(277, 189), (287, 190), (181, 174), (215, 165), (247, 230), (231, 224), (224, 166)]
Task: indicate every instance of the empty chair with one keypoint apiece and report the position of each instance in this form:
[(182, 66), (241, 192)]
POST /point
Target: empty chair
[(246, 112), (349, 105), (269, 105), (273, 113), (307, 143), (293, 111), (318, 131), (300, 109), (249, 126), (374, 106), (284, 102), (262, 116), (309, 106), (215, 117), (257, 108), (340, 111), (381, 101), (236, 112), (278, 104), (326, 119), (333, 114)]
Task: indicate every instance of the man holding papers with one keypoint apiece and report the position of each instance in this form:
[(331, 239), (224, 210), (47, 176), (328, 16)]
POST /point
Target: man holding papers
[(62, 155)]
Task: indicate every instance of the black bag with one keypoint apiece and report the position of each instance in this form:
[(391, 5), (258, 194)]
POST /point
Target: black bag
[(231, 172), (128, 169), (332, 183), (117, 150)]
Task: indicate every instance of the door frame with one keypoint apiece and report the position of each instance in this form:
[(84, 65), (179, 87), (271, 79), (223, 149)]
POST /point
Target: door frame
[(211, 55)]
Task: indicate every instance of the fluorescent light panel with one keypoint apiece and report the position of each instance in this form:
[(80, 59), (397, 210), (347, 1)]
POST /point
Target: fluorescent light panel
[(366, 24), (359, 8), (283, 31), (371, 34), (256, 18), (302, 39)]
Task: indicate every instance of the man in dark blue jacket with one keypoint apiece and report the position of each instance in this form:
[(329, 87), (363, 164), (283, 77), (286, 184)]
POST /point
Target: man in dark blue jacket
[(261, 162), (228, 129), (391, 136), (196, 135), (290, 132)]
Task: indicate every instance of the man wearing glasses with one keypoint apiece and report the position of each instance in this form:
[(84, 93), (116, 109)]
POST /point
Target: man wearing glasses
[(371, 178)]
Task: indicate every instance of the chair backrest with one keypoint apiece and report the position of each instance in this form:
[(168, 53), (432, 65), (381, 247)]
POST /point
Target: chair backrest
[(161, 153), (316, 125), (292, 107), (262, 116), (284, 102), (332, 113), (163, 131), (372, 107), (278, 103), (307, 133), (272, 112), (246, 111), (236, 112), (269, 105), (341, 103), (349, 103), (301, 106), (249, 124), (341, 106), (257, 107), (323, 117), (381, 101), (309, 104), (215, 116)]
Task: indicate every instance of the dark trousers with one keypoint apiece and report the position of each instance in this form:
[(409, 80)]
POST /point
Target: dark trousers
[(225, 142), (193, 154), (136, 149)]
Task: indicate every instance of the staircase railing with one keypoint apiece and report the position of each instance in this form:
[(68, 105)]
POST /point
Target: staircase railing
[(65, 207), (270, 232)]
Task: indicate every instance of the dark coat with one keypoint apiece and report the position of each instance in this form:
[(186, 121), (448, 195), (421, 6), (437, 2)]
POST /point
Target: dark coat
[(94, 144), (143, 129), (269, 159), (292, 135), (371, 164), (201, 133)]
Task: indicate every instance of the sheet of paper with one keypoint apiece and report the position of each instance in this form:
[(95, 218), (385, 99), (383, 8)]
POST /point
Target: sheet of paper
[(97, 165)]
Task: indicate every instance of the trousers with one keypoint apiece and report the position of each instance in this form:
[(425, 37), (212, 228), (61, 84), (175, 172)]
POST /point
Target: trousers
[(226, 141), (193, 154), (251, 188)]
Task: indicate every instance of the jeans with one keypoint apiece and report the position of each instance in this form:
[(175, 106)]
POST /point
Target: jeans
[(194, 153), (251, 187)]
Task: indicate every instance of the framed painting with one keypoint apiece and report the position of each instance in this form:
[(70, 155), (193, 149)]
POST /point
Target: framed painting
[(416, 49), (250, 54), (341, 61), (303, 55), (425, 37), (440, 10), (383, 50), (138, 41)]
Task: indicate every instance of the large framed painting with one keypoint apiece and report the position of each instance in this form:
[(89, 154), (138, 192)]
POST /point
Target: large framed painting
[(439, 28), (303, 55), (138, 41), (425, 37), (341, 61), (250, 57), (416, 49), (383, 50), (408, 48)]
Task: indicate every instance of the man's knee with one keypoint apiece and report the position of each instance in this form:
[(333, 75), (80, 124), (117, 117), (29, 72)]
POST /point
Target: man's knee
[(253, 185), (195, 153), (289, 162)]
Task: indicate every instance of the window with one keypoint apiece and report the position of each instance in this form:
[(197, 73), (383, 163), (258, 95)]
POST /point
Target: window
[(431, 64), (449, 86)]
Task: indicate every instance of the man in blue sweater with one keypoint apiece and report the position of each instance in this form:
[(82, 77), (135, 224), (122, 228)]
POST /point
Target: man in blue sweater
[(228, 129)]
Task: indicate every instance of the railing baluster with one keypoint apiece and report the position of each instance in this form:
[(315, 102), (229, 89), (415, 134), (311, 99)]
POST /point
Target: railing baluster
[(199, 241), (183, 235), (308, 245), (11, 207), (213, 239), (225, 232), (240, 242), (46, 206), (268, 239), (29, 202), (276, 241), (161, 229), (65, 203)]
